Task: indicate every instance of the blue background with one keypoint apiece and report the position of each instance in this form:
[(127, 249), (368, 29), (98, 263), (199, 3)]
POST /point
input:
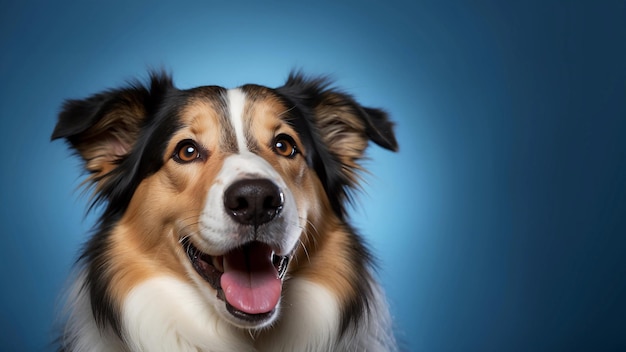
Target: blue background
[(500, 225)]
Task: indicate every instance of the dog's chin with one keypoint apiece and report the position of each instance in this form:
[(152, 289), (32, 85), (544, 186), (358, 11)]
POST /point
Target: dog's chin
[(247, 282)]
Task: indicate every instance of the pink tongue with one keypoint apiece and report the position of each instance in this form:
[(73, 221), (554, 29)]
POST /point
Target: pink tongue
[(250, 281)]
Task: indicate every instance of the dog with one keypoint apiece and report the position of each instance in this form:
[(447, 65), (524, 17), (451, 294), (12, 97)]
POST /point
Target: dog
[(223, 220)]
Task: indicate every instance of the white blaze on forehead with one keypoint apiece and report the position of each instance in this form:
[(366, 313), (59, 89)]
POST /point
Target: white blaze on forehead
[(236, 104)]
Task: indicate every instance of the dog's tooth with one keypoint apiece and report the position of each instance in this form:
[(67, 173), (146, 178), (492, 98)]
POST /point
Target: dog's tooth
[(218, 263)]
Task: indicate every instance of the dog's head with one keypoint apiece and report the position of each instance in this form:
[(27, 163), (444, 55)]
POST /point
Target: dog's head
[(217, 185)]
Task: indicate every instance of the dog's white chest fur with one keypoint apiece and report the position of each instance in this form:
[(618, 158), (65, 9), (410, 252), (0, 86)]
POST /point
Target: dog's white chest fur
[(166, 314)]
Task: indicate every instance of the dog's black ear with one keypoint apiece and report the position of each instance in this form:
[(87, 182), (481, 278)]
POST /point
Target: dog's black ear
[(334, 107), (103, 127), (344, 127)]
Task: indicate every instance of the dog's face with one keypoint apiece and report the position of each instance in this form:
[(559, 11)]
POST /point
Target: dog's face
[(235, 192), (220, 187)]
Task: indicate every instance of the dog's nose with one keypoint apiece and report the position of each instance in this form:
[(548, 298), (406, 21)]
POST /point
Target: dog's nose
[(253, 201)]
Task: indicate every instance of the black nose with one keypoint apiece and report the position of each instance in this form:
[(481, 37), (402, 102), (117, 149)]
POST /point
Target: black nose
[(253, 202)]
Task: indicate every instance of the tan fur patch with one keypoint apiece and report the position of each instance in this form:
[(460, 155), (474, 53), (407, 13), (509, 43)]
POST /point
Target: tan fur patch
[(322, 256), (146, 242), (265, 116)]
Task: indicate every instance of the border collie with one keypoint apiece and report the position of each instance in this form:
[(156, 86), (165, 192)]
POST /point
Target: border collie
[(224, 224)]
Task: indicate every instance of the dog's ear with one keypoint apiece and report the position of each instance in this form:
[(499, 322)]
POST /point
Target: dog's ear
[(103, 127), (345, 128)]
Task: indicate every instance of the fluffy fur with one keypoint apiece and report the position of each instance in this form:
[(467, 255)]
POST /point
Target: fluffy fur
[(224, 225)]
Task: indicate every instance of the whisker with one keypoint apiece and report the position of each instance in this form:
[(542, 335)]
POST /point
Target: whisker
[(306, 252), (251, 333), (183, 238), (286, 111), (310, 236)]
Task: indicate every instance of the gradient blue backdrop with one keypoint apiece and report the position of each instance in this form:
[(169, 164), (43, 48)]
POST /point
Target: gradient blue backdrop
[(500, 224)]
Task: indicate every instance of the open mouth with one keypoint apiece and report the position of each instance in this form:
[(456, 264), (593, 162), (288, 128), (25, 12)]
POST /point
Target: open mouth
[(248, 278)]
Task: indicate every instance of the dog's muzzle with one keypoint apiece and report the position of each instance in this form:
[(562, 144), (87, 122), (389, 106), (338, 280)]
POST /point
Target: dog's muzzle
[(248, 275)]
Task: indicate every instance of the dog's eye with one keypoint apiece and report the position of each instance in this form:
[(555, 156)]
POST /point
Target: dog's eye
[(187, 151), (285, 146)]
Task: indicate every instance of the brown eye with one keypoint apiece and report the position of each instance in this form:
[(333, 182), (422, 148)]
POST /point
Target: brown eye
[(285, 146), (186, 152)]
